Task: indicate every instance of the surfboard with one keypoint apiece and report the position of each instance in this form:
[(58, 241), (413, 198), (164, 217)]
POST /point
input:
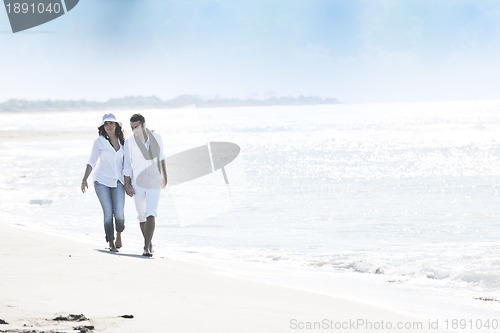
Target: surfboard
[(200, 161)]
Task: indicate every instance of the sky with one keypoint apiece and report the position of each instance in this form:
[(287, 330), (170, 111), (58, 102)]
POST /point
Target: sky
[(358, 51)]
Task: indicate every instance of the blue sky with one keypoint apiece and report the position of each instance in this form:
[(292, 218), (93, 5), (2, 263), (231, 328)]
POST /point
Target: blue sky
[(353, 50)]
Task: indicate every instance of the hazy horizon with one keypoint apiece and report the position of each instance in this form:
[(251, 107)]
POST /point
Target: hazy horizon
[(356, 51)]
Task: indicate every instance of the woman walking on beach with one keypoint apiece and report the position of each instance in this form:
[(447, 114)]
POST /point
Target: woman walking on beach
[(106, 160)]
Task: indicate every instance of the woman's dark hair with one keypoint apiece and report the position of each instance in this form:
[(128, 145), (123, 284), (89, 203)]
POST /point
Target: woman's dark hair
[(137, 117), (118, 132)]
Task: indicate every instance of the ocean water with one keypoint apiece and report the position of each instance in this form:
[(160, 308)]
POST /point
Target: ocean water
[(406, 195)]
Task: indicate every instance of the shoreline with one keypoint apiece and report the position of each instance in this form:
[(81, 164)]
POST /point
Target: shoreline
[(46, 276)]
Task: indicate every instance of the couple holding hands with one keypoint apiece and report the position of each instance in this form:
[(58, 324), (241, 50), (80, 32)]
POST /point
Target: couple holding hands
[(135, 166)]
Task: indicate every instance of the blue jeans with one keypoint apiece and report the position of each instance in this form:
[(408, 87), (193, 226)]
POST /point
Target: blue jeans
[(113, 203)]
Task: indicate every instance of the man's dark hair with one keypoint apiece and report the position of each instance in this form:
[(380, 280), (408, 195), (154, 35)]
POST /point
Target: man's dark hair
[(137, 117)]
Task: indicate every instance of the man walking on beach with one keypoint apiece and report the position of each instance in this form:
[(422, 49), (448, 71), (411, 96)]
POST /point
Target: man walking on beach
[(145, 175)]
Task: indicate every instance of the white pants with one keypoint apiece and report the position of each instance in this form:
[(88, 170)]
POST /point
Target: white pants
[(146, 202)]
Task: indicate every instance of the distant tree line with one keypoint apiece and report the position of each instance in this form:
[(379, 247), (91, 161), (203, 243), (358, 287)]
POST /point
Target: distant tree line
[(155, 102)]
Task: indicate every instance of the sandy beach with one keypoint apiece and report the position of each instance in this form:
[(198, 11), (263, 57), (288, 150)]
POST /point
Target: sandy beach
[(47, 276)]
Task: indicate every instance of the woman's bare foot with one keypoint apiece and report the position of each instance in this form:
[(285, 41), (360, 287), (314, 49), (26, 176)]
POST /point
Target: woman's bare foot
[(112, 247), (118, 241)]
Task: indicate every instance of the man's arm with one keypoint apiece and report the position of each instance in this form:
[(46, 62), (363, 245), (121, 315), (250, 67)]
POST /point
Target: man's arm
[(127, 171), (163, 174), (161, 156)]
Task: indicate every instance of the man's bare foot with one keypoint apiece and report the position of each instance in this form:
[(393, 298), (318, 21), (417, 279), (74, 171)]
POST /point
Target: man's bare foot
[(118, 241), (147, 253)]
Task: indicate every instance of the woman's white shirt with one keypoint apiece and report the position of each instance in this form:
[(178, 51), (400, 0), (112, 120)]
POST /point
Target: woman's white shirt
[(106, 162)]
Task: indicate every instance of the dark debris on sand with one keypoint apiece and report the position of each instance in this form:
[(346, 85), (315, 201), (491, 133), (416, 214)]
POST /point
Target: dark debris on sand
[(77, 318), (79, 329), (84, 329), (68, 318), (71, 317), (487, 299), (29, 331), (127, 316)]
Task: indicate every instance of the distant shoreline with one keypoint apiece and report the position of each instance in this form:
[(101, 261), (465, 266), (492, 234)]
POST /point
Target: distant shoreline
[(138, 102)]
